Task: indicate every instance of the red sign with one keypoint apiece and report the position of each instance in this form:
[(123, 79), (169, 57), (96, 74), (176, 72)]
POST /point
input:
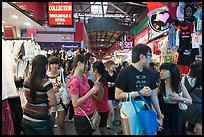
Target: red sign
[(31, 31), (60, 14)]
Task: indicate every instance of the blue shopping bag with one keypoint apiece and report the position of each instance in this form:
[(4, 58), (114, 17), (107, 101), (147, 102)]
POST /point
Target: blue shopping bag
[(128, 109), (147, 118)]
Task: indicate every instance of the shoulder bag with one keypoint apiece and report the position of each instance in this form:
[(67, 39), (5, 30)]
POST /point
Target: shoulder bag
[(94, 120)]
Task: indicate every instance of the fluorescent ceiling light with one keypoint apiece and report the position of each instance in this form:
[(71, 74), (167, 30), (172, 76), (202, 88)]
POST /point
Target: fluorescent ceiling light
[(14, 16), (27, 23), (97, 8)]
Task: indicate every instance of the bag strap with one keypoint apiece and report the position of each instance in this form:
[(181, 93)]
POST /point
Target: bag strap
[(66, 109), (62, 75), (86, 115), (188, 86), (144, 100)]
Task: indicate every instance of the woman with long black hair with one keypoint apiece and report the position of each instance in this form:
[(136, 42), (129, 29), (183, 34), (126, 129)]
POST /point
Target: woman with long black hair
[(40, 97), (168, 95)]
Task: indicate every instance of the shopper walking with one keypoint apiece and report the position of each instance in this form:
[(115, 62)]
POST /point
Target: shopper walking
[(40, 95), (81, 96), (54, 77), (137, 77), (111, 77), (193, 83), (90, 59), (101, 97), (168, 94)]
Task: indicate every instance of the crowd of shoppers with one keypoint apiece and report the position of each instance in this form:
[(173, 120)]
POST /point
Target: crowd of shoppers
[(94, 84)]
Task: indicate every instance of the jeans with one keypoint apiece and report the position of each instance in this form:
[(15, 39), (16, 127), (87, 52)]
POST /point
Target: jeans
[(38, 128)]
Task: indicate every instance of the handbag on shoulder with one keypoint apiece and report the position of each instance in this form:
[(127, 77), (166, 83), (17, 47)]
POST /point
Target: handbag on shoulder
[(94, 120)]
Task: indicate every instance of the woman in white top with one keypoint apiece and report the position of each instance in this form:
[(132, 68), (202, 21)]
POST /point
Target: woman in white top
[(54, 77)]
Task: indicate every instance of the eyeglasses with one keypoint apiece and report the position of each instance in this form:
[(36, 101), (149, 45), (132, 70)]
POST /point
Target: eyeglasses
[(149, 54)]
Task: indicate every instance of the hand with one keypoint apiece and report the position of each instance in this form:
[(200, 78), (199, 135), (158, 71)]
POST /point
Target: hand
[(160, 124), (94, 89), (56, 89), (174, 96), (146, 91)]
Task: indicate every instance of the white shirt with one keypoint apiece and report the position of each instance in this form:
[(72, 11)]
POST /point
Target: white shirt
[(8, 69)]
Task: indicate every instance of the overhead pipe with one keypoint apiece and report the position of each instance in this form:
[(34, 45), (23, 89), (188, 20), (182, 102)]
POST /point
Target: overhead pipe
[(119, 9), (137, 4)]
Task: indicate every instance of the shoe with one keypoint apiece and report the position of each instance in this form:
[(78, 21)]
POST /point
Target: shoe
[(55, 126), (190, 127), (108, 127), (65, 120), (120, 132), (70, 120)]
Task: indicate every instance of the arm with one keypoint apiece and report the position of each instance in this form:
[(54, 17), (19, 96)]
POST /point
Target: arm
[(155, 102), (100, 95), (52, 98), (186, 97), (76, 101), (119, 94)]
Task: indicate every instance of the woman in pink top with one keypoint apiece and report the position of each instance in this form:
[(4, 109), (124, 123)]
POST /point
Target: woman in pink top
[(101, 97), (81, 96)]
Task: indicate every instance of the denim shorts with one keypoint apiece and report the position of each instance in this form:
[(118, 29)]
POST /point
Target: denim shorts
[(37, 128)]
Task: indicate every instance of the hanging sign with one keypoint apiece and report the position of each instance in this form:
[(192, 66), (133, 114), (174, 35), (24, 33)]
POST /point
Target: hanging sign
[(60, 14), (160, 21)]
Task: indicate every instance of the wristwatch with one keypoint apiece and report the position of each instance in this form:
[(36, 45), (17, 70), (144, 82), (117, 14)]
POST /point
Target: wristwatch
[(161, 116)]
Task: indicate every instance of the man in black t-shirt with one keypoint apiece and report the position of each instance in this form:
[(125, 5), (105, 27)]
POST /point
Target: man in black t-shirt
[(137, 77)]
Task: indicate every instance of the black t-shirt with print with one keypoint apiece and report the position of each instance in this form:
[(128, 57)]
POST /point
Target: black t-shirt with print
[(130, 79), (111, 90)]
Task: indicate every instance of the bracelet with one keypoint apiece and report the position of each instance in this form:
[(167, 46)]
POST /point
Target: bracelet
[(161, 116)]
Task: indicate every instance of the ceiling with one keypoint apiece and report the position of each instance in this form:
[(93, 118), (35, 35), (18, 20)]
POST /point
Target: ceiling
[(127, 14), (124, 15), (8, 11)]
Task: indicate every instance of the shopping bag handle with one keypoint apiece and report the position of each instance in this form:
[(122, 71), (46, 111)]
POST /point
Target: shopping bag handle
[(144, 100)]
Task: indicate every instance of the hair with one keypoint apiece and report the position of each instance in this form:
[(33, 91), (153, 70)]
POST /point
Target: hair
[(125, 63), (69, 66), (196, 72), (109, 63), (99, 66), (139, 49), (38, 72), (80, 57), (88, 56), (53, 59), (151, 64), (175, 75)]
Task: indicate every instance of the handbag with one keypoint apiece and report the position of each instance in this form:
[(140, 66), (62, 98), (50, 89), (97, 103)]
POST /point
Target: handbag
[(148, 118), (94, 120), (181, 104), (128, 108), (124, 124), (65, 93)]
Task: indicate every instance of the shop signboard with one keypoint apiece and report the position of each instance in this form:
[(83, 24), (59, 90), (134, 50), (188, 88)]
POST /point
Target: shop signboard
[(60, 14), (31, 31), (160, 21), (60, 45)]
